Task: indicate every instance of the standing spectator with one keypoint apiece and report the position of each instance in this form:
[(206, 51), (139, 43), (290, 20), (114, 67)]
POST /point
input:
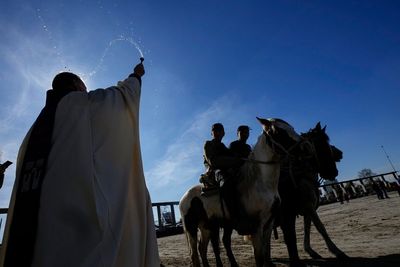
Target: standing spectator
[(382, 187), (396, 187), (377, 190)]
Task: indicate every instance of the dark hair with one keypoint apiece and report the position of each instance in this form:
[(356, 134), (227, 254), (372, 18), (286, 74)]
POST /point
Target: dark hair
[(217, 127), (65, 81)]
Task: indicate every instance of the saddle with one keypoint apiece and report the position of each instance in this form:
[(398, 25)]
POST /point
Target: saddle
[(217, 182)]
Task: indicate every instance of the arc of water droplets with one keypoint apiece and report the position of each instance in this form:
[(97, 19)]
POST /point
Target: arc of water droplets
[(50, 36), (110, 44), (101, 61)]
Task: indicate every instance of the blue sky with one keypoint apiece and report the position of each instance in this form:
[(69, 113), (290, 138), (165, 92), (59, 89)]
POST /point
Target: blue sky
[(337, 62)]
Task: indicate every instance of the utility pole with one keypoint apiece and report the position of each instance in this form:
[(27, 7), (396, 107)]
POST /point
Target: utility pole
[(387, 156)]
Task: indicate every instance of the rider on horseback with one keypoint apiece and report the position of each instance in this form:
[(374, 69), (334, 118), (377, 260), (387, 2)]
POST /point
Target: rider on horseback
[(239, 147), (218, 159), (222, 168)]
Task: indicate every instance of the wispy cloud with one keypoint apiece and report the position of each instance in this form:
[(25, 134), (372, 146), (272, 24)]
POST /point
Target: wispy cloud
[(182, 161), (28, 64)]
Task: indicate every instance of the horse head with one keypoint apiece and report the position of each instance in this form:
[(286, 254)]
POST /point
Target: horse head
[(281, 136), (326, 155), (336, 153)]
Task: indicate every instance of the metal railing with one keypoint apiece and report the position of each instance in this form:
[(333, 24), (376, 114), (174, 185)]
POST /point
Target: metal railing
[(166, 222)]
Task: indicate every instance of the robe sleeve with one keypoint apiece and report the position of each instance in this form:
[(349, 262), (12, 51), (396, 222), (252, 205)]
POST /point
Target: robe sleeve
[(130, 86), (126, 210)]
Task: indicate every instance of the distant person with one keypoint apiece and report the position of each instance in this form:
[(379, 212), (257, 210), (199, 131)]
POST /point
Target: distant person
[(3, 168), (239, 147), (80, 197), (382, 186), (340, 194), (396, 187), (377, 190), (346, 196)]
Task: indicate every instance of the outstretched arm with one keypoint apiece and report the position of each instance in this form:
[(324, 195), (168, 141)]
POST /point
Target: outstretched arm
[(4, 166)]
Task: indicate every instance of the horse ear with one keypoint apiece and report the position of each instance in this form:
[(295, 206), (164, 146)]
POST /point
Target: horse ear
[(265, 123), (323, 129), (318, 126)]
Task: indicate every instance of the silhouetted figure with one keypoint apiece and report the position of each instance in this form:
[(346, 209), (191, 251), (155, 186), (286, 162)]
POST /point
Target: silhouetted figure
[(347, 196), (377, 190), (80, 197), (219, 159), (239, 147), (396, 187), (340, 194), (3, 168), (382, 187)]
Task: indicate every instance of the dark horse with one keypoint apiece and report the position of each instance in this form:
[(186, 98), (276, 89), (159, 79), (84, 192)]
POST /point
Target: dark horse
[(298, 189)]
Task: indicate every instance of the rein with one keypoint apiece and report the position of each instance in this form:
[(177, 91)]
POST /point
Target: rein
[(289, 156)]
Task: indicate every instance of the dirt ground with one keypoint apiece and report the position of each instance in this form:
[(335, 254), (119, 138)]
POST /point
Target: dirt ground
[(366, 229)]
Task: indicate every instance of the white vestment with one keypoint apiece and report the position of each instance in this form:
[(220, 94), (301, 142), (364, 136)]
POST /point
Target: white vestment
[(95, 209)]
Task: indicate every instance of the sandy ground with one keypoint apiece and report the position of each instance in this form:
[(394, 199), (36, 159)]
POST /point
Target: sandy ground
[(366, 229)]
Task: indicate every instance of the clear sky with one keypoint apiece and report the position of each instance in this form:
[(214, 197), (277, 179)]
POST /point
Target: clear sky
[(337, 62)]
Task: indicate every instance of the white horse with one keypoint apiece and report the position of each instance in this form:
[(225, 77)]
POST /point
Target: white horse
[(258, 192)]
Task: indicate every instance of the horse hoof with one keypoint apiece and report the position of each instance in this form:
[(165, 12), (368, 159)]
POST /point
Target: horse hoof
[(315, 256), (297, 264), (342, 256)]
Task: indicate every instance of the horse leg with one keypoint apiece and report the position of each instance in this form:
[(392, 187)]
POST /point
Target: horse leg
[(215, 245), (288, 226), (257, 241), (203, 245), (226, 239), (307, 245), (267, 242), (262, 246), (192, 240), (321, 229)]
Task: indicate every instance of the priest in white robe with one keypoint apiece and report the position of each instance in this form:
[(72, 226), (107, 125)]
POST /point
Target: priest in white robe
[(94, 206)]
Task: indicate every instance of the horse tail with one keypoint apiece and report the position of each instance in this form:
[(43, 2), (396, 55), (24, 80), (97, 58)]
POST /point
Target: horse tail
[(187, 238)]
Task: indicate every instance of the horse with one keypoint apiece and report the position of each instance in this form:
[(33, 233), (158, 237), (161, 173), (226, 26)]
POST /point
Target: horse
[(258, 194), (298, 189)]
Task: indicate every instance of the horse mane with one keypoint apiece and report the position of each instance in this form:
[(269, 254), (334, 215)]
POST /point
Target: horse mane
[(250, 170)]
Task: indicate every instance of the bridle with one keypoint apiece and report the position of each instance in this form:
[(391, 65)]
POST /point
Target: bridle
[(288, 155), (274, 144)]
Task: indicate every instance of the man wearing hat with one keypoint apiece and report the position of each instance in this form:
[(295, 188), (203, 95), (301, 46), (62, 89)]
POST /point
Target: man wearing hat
[(218, 158), (239, 147), (216, 155)]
